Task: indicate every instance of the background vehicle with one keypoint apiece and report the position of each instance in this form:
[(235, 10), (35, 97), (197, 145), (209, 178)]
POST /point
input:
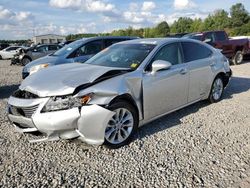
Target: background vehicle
[(105, 99), (9, 52), (78, 51), (66, 42), (36, 52), (233, 49)]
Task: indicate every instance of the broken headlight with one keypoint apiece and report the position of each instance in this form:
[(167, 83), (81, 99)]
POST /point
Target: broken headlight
[(65, 102)]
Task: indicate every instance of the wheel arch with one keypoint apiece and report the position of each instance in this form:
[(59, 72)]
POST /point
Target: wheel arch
[(26, 56), (224, 77), (239, 48), (125, 97)]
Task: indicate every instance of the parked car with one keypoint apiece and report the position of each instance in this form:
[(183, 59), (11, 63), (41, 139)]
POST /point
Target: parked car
[(105, 99), (19, 53), (78, 51), (233, 49), (35, 52), (3, 45), (9, 52), (66, 42)]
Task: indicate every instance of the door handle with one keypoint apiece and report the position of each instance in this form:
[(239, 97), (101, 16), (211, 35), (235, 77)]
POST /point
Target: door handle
[(183, 71)]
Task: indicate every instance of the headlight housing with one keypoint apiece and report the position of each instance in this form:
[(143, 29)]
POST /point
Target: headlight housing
[(65, 102), (38, 67)]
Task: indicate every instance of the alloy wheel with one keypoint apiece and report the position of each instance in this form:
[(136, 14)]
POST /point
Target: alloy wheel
[(217, 89), (239, 58), (25, 61), (119, 126)]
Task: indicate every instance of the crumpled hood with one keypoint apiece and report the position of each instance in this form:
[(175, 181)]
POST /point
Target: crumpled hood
[(63, 79)]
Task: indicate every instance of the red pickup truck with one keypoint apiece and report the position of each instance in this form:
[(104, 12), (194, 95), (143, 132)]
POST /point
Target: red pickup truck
[(234, 49)]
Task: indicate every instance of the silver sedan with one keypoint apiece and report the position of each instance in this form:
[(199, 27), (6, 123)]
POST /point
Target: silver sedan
[(104, 100)]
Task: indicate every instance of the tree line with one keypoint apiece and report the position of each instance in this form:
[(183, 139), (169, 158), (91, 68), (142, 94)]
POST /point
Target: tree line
[(235, 22)]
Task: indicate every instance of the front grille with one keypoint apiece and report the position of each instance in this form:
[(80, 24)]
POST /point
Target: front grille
[(24, 94), (23, 111)]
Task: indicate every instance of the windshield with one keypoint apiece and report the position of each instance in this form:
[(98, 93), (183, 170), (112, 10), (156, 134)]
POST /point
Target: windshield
[(122, 55), (66, 50)]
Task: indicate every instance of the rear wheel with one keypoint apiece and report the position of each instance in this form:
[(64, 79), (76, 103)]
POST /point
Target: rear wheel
[(216, 90), (121, 125), (238, 58), (25, 61)]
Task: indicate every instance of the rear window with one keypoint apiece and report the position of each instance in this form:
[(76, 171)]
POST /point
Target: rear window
[(194, 51)]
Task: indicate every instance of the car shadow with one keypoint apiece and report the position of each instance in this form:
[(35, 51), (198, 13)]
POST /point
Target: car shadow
[(168, 121), (237, 85), (6, 91)]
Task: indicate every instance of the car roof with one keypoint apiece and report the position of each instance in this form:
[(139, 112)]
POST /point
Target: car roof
[(13, 46), (156, 41), (108, 37)]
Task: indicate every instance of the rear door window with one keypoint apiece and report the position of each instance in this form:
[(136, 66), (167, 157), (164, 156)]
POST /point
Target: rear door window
[(42, 49), (194, 51)]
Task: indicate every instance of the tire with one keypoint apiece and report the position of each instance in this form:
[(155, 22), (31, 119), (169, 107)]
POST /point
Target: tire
[(25, 61), (217, 89), (238, 58), (115, 128)]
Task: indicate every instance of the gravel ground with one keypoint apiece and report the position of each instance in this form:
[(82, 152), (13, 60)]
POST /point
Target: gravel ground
[(199, 146)]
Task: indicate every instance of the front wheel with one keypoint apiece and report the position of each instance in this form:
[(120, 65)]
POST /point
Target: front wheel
[(122, 125), (238, 58), (216, 90), (25, 61)]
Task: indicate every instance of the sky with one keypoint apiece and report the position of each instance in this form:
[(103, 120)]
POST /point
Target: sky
[(22, 19)]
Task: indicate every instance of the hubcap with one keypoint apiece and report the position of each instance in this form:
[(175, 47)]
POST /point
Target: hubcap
[(217, 89), (26, 61), (119, 126), (239, 58)]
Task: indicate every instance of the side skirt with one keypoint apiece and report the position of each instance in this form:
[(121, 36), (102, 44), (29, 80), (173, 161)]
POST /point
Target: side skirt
[(143, 122)]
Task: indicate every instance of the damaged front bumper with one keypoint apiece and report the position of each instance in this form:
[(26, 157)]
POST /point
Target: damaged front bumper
[(87, 123)]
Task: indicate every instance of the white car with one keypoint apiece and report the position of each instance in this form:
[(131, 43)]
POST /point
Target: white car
[(9, 52)]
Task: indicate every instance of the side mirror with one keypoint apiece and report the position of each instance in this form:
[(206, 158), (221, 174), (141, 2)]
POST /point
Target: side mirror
[(160, 65)]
